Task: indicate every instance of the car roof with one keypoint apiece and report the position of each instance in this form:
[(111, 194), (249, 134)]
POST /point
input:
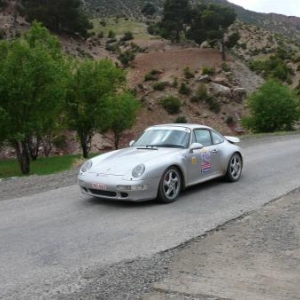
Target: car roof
[(182, 125)]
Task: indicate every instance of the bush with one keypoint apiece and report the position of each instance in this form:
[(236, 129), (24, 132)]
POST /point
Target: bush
[(213, 104), (233, 39), (102, 23), (184, 89), (201, 94), (152, 75), (175, 82), (113, 48), (208, 70), (111, 34), (160, 86), (274, 67), (242, 46), (127, 36), (229, 120), (181, 119), (171, 104), (126, 57), (274, 107), (188, 74), (225, 67), (100, 35)]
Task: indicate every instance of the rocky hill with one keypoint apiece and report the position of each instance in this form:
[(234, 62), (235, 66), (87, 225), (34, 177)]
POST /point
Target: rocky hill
[(208, 90), (288, 25), (122, 8)]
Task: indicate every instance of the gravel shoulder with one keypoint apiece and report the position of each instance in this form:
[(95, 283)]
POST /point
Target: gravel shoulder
[(256, 257), (16, 187)]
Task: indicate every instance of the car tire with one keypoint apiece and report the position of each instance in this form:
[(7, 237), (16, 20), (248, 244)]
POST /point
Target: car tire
[(169, 186), (234, 169)]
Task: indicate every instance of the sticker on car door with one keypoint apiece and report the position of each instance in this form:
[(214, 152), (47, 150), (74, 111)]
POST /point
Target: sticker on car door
[(205, 161)]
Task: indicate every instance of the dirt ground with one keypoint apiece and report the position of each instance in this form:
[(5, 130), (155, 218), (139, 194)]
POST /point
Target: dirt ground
[(256, 257)]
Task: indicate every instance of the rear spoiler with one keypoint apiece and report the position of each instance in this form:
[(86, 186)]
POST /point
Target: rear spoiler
[(232, 139)]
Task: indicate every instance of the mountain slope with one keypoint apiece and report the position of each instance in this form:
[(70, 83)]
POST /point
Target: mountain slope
[(287, 25)]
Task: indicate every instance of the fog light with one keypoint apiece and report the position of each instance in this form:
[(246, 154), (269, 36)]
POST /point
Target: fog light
[(139, 187)]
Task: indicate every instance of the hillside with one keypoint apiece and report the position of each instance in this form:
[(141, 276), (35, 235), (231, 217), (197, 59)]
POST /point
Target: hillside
[(210, 91), (287, 25)]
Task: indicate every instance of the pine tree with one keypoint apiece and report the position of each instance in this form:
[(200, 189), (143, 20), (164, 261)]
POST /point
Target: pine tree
[(58, 15)]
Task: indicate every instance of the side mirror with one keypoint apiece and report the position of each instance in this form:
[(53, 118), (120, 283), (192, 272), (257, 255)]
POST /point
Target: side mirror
[(195, 146), (131, 143)]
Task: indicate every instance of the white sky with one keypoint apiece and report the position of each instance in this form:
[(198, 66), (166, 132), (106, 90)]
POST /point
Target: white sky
[(284, 7)]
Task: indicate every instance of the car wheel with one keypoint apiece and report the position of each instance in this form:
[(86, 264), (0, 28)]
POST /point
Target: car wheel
[(170, 185), (234, 169)]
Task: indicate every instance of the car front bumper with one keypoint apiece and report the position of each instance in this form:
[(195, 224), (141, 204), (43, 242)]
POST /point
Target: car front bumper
[(115, 188)]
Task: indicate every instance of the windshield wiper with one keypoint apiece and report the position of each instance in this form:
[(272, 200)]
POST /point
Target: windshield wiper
[(170, 146), (148, 147)]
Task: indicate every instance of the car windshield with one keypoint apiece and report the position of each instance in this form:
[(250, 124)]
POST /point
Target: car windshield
[(164, 137)]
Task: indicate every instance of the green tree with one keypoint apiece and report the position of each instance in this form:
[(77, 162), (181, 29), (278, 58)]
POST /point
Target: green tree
[(175, 18), (233, 39), (273, 107), (58, 15), (32, 88), (210, 22), (90, 86), (148, 9), (122, 110)]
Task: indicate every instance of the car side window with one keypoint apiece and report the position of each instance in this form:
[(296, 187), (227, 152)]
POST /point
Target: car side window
[(203, 137), (217, 139)]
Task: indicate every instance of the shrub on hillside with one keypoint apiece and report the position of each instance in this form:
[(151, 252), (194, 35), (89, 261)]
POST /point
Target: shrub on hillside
[(152, 75), (111, 34), (127, 36), (126, 57), (171, 104), (160, 86), (181, 119), (213, 104), (201, 94), (274, 67), (188, 74), (208, 70), (184, 89)]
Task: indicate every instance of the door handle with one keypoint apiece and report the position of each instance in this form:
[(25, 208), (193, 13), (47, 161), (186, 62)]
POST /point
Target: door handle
[(215, 151)]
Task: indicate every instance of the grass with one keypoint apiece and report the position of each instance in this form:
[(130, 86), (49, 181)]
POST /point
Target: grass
[(42, 166), (138, 29)]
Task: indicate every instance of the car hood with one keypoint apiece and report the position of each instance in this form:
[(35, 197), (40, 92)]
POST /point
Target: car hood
[(122, 161)]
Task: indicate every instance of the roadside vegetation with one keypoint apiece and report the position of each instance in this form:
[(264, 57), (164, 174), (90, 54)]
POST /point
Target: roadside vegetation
[(274, 107), (42, 166), (43, 92)]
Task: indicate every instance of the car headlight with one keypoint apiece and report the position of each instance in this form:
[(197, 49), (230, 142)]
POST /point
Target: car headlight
[(138, 171), (86, 166)]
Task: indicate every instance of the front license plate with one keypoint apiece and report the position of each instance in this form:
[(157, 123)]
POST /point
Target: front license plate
[(98, 186)]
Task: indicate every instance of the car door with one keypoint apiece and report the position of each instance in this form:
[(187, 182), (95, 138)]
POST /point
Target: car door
[(204, 163)]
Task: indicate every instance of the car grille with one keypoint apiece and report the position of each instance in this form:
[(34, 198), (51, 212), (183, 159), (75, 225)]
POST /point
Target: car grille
[(103, 193)]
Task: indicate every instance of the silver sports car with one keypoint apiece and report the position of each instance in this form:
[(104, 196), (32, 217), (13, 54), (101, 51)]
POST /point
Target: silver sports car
[(165, 160)]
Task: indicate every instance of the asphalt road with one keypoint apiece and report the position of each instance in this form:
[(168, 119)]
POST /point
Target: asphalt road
[(48, 239)]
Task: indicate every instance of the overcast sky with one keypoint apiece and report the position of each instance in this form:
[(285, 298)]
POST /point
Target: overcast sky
[(284, 7)]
